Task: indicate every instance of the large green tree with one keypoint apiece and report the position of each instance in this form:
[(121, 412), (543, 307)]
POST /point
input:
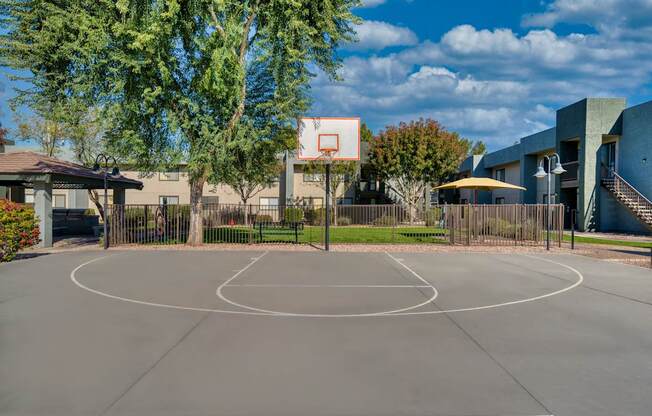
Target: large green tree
[(177, 79), (253, 164), (412, 155)]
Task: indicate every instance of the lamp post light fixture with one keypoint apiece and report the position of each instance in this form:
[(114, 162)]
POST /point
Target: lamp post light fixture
[(102, 164), (540, 174)]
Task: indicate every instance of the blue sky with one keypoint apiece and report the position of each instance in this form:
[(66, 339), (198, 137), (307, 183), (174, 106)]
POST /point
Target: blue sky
[(491, 70)]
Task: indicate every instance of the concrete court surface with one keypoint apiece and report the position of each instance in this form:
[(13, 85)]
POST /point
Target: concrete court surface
[(314, 333)]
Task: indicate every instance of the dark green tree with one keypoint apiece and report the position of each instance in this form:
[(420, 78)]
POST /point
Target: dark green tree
[(478, 148), (176, 79), (253, 164), (412, 155)]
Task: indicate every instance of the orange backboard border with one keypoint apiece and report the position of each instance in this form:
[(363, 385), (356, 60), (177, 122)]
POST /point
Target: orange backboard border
[(299, 157)]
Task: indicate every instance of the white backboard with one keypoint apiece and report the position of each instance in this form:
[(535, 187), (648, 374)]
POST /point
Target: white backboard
[(339, 136)]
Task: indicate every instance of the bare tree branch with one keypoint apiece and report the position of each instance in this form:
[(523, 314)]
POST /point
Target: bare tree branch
[(216, 22)]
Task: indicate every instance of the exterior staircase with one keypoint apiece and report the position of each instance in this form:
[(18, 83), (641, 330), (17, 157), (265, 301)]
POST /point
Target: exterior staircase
[(627, 195)]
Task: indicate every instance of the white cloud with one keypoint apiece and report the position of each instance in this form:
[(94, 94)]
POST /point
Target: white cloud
[(372, 3), (613, 18), (495, 85), (379, 35)]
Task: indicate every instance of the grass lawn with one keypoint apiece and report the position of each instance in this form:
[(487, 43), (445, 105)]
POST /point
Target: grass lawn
[(594, 240), (341, 235), (407, 235)]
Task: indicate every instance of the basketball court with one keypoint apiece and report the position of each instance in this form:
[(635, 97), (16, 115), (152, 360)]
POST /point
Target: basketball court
[(315, 333)]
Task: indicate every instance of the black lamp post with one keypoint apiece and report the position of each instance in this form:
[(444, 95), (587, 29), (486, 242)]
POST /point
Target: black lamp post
[(102, 164), (540, 174)]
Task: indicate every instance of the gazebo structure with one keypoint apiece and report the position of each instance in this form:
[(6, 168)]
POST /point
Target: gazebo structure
[(43, 173)]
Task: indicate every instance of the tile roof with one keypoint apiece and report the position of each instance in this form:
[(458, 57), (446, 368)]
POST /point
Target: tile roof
[(38, 164)]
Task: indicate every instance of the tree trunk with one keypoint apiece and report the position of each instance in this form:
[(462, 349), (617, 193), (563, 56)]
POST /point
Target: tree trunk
[(196, 234), (334, 207), (95, 198), (412, 210), (246, 211)]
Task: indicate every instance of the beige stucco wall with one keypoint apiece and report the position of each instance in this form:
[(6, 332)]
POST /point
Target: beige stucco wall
[(303, 189), (513, 176), (153, 188)]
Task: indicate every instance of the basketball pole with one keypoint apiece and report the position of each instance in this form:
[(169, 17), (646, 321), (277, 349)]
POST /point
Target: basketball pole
[(327, 236)]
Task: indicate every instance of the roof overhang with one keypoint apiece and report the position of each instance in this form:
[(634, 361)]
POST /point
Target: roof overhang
[(58, 181)]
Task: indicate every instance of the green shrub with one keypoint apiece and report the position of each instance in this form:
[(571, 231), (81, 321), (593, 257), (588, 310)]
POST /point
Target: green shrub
[(230, 215), (386, 220), (18, 229), (433, 217), (293, 215), (311, 215), (264, 218), (343, 221), (500, 227), (134, 215)]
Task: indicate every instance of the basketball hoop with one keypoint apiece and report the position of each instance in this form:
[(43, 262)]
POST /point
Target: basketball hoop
[(326, 156), (327, 139)]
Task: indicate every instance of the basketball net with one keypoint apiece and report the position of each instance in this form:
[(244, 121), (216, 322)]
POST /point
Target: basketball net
[(327, 156)]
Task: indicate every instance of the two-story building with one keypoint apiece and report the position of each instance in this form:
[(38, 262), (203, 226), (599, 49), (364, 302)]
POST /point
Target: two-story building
[(606, 150)]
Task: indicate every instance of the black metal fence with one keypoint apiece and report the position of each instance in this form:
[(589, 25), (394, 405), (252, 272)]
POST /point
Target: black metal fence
[(255, 224)]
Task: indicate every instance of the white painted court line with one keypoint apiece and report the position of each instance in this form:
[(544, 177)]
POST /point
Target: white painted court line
[(515, 302), (326, 286), (435, 293), (73, 278)]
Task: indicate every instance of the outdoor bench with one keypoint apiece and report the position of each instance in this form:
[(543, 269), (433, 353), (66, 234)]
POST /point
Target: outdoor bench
[(296, 227)]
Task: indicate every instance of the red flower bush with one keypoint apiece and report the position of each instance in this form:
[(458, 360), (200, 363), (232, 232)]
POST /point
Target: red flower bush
[(18, 229)]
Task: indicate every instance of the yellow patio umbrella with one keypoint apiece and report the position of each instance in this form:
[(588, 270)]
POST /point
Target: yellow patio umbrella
[(479, 184)]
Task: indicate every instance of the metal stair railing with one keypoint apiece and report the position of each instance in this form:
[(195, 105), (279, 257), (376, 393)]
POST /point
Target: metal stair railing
[(629, 196)]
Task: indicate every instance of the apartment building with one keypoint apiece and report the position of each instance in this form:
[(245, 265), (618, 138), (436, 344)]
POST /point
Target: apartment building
[(294, 186), (606, 149)]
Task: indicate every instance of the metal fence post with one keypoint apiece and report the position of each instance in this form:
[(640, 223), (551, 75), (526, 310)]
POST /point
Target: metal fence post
[(250, 225), (572, 229), (394, 223), (468, 225)]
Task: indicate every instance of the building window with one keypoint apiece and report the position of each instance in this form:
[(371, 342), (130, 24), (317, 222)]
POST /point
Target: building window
[(313, 201), (168, 176), (268, 202), (311, 177), (500, 175), (500, 200), (344, 201), (210, 200), (58, 201), (434, 197), (168, 200)]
